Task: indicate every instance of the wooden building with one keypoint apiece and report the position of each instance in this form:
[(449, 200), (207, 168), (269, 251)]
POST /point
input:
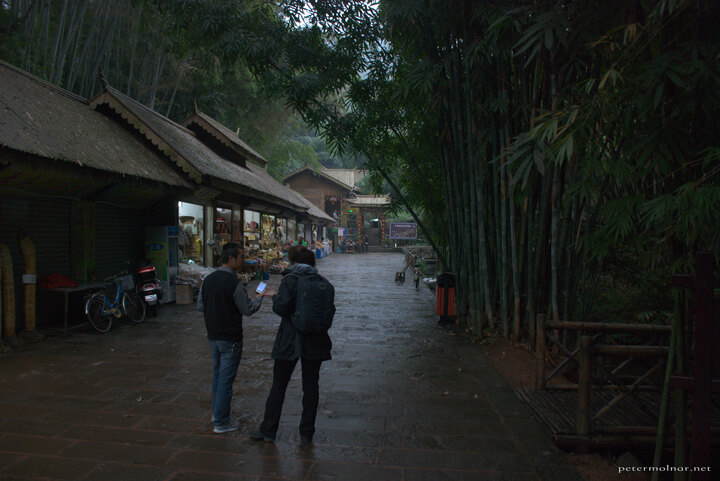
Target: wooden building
[(85, 179), (337, 193)]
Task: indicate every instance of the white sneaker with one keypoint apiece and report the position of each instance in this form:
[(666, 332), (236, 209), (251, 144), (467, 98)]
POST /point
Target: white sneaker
[(231, 425)]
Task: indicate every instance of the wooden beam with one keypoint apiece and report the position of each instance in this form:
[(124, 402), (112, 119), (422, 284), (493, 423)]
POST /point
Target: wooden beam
[(606, 326), (686, 383), (582, 420), (631, 350)]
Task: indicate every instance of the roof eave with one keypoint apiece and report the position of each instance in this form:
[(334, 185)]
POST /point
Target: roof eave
[(198, 119), (107, 98), (316, 173)]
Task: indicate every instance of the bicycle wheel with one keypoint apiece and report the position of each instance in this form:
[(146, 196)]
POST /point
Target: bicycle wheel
[(134, 307), (99, 318)]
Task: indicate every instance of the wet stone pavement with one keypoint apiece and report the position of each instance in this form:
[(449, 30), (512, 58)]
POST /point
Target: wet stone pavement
[(403, 399)]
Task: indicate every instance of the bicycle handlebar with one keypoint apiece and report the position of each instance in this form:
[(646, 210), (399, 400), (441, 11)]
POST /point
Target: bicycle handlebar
[(115, 276)]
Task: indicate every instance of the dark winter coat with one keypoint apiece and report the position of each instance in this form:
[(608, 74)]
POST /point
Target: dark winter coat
[(289, 343)]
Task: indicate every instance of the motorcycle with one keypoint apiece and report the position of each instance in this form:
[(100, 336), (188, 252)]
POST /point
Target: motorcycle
[(149, 288)]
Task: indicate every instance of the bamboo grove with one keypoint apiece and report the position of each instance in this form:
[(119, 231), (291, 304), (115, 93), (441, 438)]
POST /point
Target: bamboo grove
[(135, 45), (573, 139)]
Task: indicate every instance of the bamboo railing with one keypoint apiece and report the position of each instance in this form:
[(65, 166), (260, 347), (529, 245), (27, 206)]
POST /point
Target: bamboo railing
[(586, 355)]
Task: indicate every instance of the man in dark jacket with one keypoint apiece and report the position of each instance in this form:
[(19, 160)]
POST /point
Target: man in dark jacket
[(223, 301), (290, 346)]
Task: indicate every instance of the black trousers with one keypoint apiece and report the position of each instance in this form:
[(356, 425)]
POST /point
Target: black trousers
[(282, 371)]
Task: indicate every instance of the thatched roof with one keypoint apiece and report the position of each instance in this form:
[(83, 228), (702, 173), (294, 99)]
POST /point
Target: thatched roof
[(223, 135), (190, 154), (321, 174), (39, 118), (349, 177)]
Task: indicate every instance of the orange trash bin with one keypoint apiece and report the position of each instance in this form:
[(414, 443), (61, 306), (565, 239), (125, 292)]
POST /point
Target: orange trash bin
[(445, 300)]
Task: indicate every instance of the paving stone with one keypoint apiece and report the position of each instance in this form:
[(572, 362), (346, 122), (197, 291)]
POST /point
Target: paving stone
[(125, 472), (340, 437), (175, 425), (50, 468), (26, 444), (117, 452), (193, 476), (93, 418), (556, 473), (351, 472), (22, 411), (35, 427), (319, 452), (457, 475), (68, 402), (403, 399), (236, 443), (119, 435), (8, 459), (221, 463), (453, 460), (445, 441)]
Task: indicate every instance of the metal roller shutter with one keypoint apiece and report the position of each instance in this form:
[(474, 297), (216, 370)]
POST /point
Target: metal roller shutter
[(119, 238)]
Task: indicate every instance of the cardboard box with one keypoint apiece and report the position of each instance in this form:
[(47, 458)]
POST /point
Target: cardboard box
[(183, 294)]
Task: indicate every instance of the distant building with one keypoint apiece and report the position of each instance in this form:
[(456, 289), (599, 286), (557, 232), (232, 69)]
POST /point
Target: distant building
[(336, 191)]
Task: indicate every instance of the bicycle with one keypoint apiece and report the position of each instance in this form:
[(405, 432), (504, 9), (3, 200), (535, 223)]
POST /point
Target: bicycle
[(100, 311)]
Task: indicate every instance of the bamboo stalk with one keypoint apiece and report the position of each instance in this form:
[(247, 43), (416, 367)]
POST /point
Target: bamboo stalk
[(503, 251), (540, 255), (540, 353), (555, 247), (58, 37), (680, 395), (530, 286), (584, 390), (662, 415), (515, 253)]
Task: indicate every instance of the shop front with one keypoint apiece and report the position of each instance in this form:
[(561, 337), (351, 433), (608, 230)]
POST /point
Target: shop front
[(191, 235)]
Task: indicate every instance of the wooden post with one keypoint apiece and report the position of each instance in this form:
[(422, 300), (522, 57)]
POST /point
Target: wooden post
[(27, 247), (583, 410), (702, 365), (8, 295), (540, 352)]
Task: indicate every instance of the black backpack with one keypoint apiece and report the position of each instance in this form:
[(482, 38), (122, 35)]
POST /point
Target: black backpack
[(315, 304)]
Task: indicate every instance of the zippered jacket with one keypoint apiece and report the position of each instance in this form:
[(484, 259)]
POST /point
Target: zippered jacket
[(289, 343)]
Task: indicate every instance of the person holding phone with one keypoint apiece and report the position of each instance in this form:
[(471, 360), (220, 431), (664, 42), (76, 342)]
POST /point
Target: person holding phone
[(223, 301)]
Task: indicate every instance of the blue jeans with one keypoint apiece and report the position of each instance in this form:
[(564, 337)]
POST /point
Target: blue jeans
[(226, 359)]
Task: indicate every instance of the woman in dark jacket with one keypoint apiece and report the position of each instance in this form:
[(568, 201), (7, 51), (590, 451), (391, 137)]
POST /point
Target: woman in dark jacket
[(290, 346)]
